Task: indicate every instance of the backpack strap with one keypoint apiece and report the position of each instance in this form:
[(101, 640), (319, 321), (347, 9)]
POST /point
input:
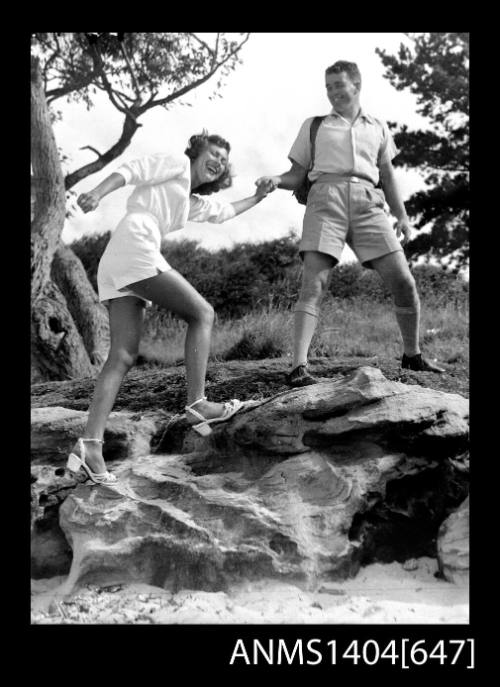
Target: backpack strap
[(312, 137)]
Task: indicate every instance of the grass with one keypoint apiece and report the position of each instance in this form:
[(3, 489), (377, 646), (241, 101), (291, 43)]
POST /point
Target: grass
[(347, 327)]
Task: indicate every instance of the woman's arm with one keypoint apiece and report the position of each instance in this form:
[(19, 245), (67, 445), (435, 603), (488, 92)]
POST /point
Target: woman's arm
[(247, 203), (288, 180), (89, 201)]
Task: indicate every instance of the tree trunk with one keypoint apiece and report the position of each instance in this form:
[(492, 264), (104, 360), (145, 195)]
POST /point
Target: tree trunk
[(57, 349), (48, 187), (88, 314)]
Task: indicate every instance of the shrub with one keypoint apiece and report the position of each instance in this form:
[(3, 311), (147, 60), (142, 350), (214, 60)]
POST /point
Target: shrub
[(252, 347), (251, 276)]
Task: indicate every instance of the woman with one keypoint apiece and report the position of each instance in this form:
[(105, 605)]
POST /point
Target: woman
[(132, 272)]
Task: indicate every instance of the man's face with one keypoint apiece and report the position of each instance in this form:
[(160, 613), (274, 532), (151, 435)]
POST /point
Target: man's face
[(341, 91)]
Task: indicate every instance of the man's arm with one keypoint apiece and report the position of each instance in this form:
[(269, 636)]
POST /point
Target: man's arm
[(394, 200), (288, 180), (89, 201)]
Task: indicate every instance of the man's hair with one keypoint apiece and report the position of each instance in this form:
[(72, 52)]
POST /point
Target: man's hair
[(197, 144), (350, 68)]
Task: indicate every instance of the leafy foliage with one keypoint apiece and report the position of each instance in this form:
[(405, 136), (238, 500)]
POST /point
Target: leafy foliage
[(436, 69), (252, 277)]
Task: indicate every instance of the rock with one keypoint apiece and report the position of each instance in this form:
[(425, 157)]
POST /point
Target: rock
[(54, 430), (50, 552), (410, 564), (453, 546), (299, 487)]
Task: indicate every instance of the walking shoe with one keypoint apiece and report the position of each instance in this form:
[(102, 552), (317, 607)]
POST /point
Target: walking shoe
[(299, 376), (419, 364)]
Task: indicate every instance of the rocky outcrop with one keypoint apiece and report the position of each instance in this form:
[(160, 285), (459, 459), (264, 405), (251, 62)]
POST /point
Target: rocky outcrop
[(453, 546), (307, 485), (54, 430)]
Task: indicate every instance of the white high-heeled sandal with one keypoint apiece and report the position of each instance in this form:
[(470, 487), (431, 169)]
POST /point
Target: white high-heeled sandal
[(203, 427), (76, 463)]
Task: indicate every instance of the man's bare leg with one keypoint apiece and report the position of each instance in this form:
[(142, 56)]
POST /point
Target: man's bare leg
[(315, 276)]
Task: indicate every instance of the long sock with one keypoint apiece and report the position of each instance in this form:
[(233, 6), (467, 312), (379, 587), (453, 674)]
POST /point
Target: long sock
[(409, 322), (305, 322)]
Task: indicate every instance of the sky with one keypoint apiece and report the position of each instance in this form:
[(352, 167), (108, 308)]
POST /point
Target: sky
[(279, 83)]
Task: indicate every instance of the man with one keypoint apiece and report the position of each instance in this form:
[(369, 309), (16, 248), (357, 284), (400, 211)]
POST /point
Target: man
[(353, 153)]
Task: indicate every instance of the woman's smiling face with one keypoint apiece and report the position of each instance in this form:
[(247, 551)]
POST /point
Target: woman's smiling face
[(210, 164)]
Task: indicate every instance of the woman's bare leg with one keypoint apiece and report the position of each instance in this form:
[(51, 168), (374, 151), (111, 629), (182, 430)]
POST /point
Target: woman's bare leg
[(126, 316), (170, 291)]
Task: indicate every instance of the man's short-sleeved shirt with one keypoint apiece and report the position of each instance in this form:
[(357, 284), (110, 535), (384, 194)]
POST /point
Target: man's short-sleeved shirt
[(356, 149)]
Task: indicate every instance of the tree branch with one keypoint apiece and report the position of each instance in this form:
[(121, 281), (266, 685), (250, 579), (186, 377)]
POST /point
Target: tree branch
[(194, 84), (99, 66), (131, 70), (202, 42), (94, 150), (60, 92), (216, 49), (130, 126)]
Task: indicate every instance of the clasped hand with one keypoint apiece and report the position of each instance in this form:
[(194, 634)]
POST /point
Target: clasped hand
[(266, 185)]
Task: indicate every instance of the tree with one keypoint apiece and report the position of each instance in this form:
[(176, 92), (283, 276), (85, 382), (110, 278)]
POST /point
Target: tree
[(436, 68), (57, 347), (137, 72)]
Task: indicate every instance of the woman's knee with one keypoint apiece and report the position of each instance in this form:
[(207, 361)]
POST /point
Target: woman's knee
[(203, 314), (123, 358)]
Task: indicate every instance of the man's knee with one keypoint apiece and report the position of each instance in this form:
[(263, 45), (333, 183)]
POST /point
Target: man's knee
[(404, 287), (313, 289)]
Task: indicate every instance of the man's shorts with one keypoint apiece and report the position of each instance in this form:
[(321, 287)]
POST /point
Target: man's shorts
[(348, 210)]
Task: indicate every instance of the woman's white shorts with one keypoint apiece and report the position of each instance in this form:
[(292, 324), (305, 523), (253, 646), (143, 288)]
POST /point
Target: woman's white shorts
[(132, 254)]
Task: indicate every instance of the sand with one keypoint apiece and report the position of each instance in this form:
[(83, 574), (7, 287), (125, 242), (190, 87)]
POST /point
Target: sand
[(407, 593)]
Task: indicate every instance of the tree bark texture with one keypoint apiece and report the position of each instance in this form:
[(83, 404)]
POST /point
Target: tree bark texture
[(88, 314), (57, 349), (48, 187), (56, 345)]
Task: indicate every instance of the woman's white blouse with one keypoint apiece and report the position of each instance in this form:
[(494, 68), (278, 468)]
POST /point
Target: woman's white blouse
[(162, 187)]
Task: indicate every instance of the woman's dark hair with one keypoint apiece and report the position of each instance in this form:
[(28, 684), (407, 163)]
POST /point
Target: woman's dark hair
[(197, 144)]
